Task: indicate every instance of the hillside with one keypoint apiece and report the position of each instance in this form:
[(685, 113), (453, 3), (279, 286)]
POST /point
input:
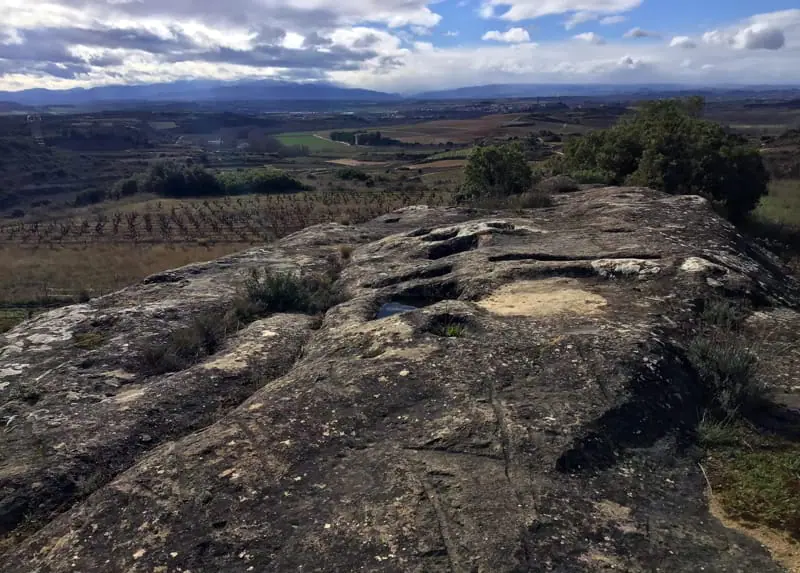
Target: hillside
[(536, 406), (192, 91)]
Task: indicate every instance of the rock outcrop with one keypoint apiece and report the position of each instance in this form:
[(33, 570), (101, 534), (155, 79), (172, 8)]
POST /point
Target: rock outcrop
[(531, 409)]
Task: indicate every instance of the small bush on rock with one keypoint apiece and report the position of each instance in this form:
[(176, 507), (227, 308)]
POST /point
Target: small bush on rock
[(728, 370), (498, 171), (267, 292), (203, 336), (531, 200), (725, 363)]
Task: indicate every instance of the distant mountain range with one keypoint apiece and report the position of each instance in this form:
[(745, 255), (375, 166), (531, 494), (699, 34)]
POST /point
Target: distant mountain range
[(501, 91), (269, 90), (195, 91)]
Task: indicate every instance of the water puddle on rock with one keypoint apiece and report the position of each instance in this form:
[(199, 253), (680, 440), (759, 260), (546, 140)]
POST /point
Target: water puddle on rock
[(392, 308)]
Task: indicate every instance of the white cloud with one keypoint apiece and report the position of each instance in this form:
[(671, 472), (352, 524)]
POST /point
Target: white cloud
[(755, 37), (451, 33), (682, 42), (510, 36), (591, 38), (611, 20), (639, 33), (771, 31), (486, 11), (367, 43), (421, 30), (717, 38), (516, 10), (579, 18), (760, 37)]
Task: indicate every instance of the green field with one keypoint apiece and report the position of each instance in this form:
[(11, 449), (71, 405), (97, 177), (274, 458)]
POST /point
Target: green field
[(163, 124), (314, 144), (782, 205)]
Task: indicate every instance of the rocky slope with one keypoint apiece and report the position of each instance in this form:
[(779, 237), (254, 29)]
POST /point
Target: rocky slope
[(534, 411)]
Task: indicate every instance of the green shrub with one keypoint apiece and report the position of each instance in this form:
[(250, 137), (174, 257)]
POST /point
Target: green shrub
[(353, 174), (497, 170), (263, 180), (592, 176), (126, 187), (170, 179), (448, 326), (756, 481), (667, 146), (90, 197)]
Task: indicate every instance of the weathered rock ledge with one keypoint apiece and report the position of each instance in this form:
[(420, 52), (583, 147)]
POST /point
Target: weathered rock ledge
[(553, 434)]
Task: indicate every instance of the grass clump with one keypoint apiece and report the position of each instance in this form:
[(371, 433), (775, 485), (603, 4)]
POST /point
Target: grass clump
[(753, 473), (531, 200), (454, 330), (725, 363), (761, 486), (721, 314), (558, 184), (448, 326), (88, 340), (754, 476), (263, 293), (204, 336)]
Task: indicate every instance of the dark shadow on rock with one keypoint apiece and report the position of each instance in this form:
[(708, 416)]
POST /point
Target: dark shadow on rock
[(778, 419), (664, 397)]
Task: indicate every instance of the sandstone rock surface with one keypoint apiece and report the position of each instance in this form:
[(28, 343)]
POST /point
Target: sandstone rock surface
[(551, 432)]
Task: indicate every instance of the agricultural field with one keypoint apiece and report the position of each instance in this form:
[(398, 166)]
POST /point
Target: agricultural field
[(441, 164), (54, 249), (468, 131), (91, 251), (316, 143), (453, 154)]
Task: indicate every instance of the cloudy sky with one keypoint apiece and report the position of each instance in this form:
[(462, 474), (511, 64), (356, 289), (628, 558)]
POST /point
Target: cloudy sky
[(398, 45)]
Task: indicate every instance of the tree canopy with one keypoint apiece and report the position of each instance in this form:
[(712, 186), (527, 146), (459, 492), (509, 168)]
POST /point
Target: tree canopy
[(666, 145)]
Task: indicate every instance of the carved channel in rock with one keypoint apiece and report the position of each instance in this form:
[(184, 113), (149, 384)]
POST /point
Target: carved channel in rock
[(421, 232), (428, 273), (546, 257), (419, 296), (453, 247)]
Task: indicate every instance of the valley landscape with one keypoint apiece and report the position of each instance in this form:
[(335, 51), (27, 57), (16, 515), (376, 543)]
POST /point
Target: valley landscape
[(66, 231), (234, 314)]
